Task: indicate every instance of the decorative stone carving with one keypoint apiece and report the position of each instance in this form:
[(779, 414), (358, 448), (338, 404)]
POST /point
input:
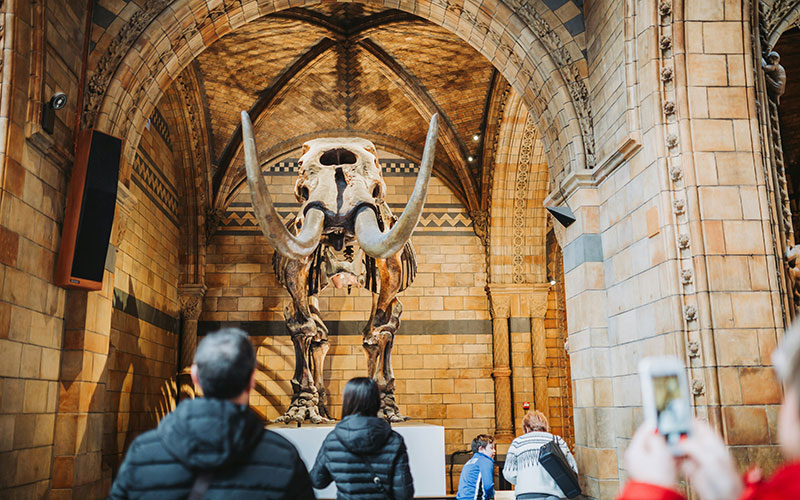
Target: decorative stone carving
[(669, 108), (679, 207), (480, 224), (213, 220), (694, 349), (119, 46), (519, 223), (687, 276), (690, 312), (665, 42), (780, 9), (568, 69), (774, 75), (683, 241), (698, 387), (672, 141), (665, 7), (666, 74), (675, 173), (191, 305)]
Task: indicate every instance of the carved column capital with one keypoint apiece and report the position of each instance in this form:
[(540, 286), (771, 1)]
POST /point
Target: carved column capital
[(500, 305), (537, 302), (191, 300)]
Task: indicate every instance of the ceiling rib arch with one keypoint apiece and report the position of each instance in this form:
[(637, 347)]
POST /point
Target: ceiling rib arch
[(427, 106), (262, 104), (123, 96), (493, 118)]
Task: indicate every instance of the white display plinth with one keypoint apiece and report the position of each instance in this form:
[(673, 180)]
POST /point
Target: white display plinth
[(425, 444)]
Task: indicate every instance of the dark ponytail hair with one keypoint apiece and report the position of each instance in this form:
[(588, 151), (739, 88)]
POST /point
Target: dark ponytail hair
[(361, 397)]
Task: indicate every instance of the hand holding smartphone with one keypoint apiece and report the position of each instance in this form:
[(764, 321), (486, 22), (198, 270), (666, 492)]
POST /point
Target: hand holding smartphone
[(665, 398)]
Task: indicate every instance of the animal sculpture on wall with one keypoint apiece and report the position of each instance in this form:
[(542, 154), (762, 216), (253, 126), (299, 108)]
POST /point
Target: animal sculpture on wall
[(343, 234)]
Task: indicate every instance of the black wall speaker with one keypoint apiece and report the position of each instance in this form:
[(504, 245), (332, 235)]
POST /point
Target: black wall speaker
[(89, 216)]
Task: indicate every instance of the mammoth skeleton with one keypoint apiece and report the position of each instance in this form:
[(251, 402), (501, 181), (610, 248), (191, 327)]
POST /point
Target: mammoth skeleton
[(344, 234)]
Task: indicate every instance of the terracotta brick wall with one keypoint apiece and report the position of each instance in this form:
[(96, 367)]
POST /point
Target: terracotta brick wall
[(32, 197), (143, 351), (443, 353)]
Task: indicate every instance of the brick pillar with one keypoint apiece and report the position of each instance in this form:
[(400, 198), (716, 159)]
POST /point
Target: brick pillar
[(78, 471), (191, 297), (504, 423), (77, 468), (537, 300)]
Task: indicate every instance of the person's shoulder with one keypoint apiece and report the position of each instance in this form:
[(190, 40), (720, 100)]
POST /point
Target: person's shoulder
[(276, 441), (145, 447)]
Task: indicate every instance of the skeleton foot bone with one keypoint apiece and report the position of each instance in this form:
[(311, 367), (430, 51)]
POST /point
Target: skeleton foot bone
[(304, 406)]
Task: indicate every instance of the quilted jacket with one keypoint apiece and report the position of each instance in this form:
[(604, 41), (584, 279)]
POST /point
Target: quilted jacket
[(226, 439), (355, 441)]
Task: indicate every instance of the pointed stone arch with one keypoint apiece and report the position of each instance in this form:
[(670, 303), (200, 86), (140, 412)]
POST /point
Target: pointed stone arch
[(520, 43)]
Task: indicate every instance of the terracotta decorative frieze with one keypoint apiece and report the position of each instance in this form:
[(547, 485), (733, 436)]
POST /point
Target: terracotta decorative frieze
[(104, 70), (519, 225), (568, 69)]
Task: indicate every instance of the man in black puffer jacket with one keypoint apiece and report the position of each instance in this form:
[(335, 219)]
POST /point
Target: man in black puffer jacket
[(363, 455), (216, 438)]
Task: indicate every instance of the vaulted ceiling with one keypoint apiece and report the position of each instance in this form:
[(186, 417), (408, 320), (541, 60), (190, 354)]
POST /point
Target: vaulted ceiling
[(348, 69)]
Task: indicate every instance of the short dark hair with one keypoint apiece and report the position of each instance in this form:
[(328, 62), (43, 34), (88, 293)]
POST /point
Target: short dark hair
[(481, 441), (362, 397), (225, 362)]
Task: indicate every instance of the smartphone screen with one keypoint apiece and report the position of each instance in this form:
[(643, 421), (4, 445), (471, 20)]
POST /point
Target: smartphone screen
[(672, 413)]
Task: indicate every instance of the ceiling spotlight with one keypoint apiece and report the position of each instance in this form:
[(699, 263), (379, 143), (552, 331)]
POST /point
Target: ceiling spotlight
[(469, 158), (476, 137)]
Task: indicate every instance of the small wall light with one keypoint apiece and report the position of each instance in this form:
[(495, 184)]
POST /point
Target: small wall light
[(470, 158), (56, 102), (476, 137)]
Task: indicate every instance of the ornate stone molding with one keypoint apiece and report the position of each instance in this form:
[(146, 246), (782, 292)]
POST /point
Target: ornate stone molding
[(191, 302), (519, 227), (98, 84), (776, 19), (568, 69)]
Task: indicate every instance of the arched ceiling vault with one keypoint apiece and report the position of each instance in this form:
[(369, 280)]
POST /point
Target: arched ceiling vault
[(378, 58), (539, 51)]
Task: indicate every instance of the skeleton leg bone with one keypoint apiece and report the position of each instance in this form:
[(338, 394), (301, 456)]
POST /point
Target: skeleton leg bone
[(379, 336), (310, 339)]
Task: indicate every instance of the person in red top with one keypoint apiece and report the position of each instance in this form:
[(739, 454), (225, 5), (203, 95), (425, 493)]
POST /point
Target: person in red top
[(707, 465)]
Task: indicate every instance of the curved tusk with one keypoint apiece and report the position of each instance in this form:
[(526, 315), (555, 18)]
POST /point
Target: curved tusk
[(382, 245), (284, 242)]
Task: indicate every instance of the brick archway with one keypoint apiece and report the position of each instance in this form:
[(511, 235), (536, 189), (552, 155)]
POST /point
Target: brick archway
[(528, 52)]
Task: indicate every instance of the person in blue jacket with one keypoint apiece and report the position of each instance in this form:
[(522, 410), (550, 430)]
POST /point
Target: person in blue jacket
[(477, 476)]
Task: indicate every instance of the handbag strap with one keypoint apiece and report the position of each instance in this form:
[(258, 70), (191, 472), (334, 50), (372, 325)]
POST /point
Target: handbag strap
[(200, 486), (375, 478)]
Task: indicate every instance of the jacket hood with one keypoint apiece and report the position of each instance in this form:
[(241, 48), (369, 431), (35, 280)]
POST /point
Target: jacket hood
[(361, 434), (206, 433)]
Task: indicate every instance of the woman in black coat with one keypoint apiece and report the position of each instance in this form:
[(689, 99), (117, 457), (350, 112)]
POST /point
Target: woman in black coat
[(363, 455)]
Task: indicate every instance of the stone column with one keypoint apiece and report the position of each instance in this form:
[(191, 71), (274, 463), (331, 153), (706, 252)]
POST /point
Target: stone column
[(537, 301), (191, 299), (504, 422)]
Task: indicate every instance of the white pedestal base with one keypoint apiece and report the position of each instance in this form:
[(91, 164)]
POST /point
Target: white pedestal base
[(425, 445)]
